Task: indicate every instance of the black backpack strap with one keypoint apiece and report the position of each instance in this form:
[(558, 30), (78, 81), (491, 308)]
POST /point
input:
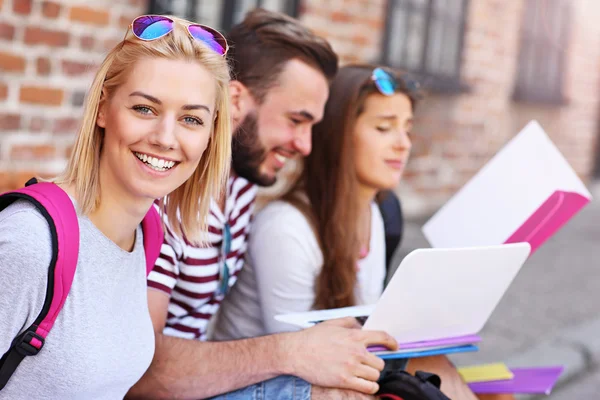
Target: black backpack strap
[(434, 379), (395, 385), (393, 222)]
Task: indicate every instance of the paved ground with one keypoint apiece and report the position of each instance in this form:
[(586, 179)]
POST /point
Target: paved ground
[(555, 298)]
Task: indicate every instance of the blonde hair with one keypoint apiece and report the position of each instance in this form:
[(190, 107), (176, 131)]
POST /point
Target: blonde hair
[(187, 206)]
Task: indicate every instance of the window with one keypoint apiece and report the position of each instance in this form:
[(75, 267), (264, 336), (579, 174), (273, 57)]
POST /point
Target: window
[(220, 14), (425, 37), (544, 38), (234, 10)]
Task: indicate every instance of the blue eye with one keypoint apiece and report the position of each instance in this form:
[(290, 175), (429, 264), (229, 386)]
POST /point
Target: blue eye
[(193, 121), (144, 110)]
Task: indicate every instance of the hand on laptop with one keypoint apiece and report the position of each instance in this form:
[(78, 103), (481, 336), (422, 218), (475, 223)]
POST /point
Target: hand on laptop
[(334, 354)]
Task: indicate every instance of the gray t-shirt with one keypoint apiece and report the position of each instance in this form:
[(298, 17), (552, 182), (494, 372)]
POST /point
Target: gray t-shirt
[(102, 341)]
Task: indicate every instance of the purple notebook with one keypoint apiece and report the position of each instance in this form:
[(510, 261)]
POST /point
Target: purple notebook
[(426, 344), (526, 380)]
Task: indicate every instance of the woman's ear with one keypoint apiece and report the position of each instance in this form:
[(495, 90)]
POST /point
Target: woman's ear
[(102, 105)]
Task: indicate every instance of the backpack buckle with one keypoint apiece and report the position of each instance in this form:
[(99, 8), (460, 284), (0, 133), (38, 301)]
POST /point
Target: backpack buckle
[(23, 344)]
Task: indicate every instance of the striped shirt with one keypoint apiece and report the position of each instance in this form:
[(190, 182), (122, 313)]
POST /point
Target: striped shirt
[(190, 274)]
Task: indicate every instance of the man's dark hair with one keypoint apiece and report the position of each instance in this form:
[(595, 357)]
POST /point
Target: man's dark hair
[(264, 41)]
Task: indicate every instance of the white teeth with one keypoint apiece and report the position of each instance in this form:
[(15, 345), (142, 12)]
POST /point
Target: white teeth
[(280, 158), (156, 163)]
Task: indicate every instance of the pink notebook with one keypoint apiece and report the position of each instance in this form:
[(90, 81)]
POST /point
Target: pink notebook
[(559, 208), (432, 344)]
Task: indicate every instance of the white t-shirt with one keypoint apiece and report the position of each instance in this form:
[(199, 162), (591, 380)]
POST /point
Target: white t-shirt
[(283, 261), (102, 341)]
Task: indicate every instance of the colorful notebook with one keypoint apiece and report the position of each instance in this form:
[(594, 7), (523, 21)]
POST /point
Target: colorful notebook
[(426, 353), (525, 193), (425, 347), (485, 373), (525, 381)]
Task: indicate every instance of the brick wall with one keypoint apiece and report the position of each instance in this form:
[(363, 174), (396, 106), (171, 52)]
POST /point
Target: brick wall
[(48, 54), (456, 134)]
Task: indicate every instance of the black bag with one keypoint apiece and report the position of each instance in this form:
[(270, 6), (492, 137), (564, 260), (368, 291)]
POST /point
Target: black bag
[(400, 385)]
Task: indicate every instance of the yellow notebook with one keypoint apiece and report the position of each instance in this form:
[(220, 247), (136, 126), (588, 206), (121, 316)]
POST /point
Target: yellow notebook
[(485, 372)]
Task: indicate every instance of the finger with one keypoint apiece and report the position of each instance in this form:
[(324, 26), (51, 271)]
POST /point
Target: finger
[(368, 373), (372, 361), (346, 322), (362, 385), (380, 338)]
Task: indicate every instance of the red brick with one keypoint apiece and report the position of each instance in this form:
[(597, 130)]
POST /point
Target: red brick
[(37, 124), (68, 151), (361, 40), (339, 16), (89, 16), (10, 62), (50, 9), (7, 31), (15, 180), (5, 177), (125, 21), (41, 95), (22, 7), (32, 152), (87, 42), (43, 66), (76, 68), (35, 36), (21, 177), (109, 44), (10, 122), (65, 125), (3, 91)]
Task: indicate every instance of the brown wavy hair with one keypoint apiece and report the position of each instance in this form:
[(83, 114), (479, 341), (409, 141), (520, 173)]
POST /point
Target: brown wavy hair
[(265, 41), (329, 181)]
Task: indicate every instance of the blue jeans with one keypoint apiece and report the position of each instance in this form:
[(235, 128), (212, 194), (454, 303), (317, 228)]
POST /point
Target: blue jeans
[(288, 387), (283, 387)]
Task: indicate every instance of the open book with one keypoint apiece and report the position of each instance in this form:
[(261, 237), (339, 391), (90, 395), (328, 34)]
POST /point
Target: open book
[(525, 193)]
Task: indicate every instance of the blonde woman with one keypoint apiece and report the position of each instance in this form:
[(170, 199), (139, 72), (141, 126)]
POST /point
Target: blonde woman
[(156, 126)]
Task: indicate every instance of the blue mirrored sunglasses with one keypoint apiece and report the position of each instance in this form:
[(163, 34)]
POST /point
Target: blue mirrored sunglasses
[(384, 82), (152, 27), (224, 273), (387, 85)]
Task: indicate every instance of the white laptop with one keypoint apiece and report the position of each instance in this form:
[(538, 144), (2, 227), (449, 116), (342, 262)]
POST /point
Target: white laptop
[(435, 293)]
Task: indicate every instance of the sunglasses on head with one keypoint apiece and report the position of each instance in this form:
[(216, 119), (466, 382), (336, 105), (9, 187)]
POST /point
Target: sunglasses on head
[(387, 84), (152, 27)]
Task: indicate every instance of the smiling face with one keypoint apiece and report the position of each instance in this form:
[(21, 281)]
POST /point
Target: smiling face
[(381, 140), (157, 125), (280, 127)]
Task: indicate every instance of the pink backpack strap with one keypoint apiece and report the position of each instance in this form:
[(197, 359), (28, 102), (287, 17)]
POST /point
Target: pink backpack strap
[(153, 237), (58, 210)]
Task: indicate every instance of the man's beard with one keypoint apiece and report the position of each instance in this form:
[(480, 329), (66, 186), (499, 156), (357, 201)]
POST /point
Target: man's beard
[(248, 154)]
